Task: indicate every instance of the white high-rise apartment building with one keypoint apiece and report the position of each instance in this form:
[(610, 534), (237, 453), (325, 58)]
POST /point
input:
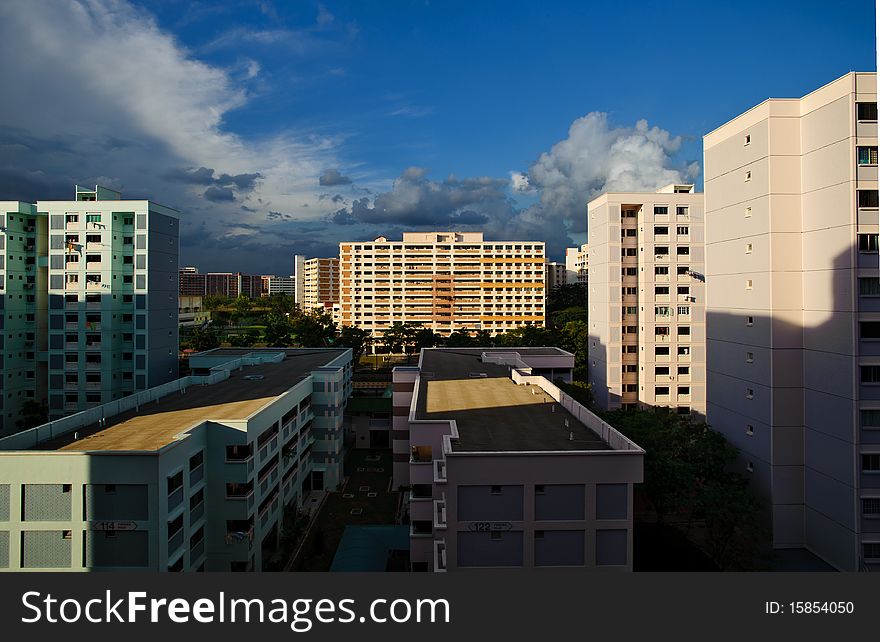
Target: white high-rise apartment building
[(647, 300), (555, 275), (793, 312), (112, 298), (279, 285), (577, 262), (316, 283), (444, 280)]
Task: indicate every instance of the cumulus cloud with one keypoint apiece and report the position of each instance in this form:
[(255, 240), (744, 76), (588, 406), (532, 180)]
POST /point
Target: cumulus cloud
[(593, 158), (152, 123), (331, 177)]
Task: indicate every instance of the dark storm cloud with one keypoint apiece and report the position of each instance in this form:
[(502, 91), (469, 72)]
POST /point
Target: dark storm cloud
[(219, 194)]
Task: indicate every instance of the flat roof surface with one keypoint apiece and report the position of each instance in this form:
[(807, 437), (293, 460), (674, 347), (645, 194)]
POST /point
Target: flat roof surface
[(493, 413), (156, 425)]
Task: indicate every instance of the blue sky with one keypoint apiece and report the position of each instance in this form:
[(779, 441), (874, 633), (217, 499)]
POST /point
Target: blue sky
[(285, 127)]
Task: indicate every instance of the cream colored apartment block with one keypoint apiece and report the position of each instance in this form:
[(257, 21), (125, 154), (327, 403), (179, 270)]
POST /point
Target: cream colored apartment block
[(793, 312), (316, 283), (577, 263), (647, 300), (444, 280)]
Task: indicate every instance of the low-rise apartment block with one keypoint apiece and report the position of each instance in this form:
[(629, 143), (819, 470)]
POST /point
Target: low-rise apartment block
[(192, 475), (316, 283), (647, 300), (793, 312), (445, 281), (506, 470), (279, 285), (555, 275)]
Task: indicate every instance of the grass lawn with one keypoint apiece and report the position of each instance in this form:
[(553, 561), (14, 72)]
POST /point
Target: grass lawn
[(320, 547)]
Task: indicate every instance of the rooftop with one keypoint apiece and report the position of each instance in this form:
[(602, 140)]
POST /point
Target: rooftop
[(158, 424), (492, 412)]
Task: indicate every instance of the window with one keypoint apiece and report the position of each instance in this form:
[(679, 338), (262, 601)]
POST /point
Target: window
[(684, 310), (869, 418), (869, 286), (684, 390), (681, 210), (748, 248), (629, 213), (661, 390), (868, 243), (870, 374), (93, 218), (867, 155), (750, 321), (869, 329), (684, 371), (661, 270), (750, 429), (661, 331), (748, 175), (871, 550), (662, 311), (750, 357), (661, 210), (661, 371), (495, 490), (683, 251), (747, 140), (110, 489), (682, 230), (750, 393), (661, 290), (868, 198), (748, 212), (748, 284), (750, 467), (661, 230), (539, 489), (871, 462), (866, 111), (871, 506), (684, 331), (661, 351)]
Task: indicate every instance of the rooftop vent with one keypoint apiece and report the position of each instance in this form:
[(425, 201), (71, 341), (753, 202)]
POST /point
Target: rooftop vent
[(253, 377)]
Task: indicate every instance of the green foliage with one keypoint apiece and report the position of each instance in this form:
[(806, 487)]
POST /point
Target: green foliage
[(558, 318), (460, 339), (573, 295), (247, 339), (215, 301), (242, 305), (355, 338), (201, 339), (278, 330), (313, 329), (281, 303)]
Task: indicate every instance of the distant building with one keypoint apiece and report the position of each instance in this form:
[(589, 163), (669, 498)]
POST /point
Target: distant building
[(195, 475), (528, 479), (577, 263), (316, 283), (445, 281), (191, 311), (228, 284), (647, 301), (555, 275), (279, 285)]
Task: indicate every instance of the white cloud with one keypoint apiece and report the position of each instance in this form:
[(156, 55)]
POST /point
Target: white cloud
[(100, 89), (519, 182)]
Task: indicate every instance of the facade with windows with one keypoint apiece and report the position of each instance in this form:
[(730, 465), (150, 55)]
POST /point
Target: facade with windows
[(577, 264), (503, 469), (647, 300), (316, 283), (793, 312), (445, 281), (23, 301), (194, 475), (112, 298)]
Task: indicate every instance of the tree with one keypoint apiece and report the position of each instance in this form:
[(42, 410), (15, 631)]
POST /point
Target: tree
[(215, 301), (242, 305), (395, 337), (731, 514), (314, 329), (459, 339), (483, 339), (278, 330), (355, 338), (248, 339), (571, 295), (203, 338), (282, 303), (574, 336)]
